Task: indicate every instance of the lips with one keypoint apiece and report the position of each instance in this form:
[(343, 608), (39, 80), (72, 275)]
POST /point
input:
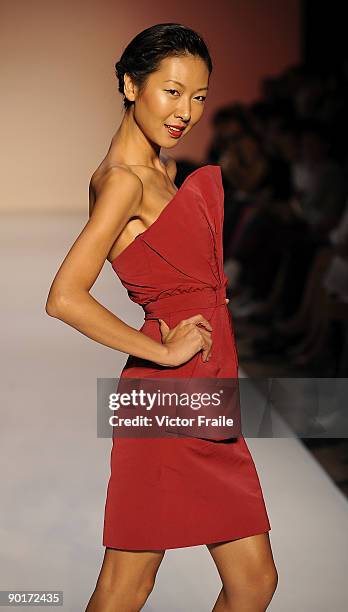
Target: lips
[(175, 130), (177, 127)]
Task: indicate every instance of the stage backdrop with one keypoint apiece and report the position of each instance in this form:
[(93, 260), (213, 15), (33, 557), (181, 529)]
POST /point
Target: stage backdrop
[(60, 103)]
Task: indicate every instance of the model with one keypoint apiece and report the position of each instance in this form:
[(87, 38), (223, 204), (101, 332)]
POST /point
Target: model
[(165, 245)]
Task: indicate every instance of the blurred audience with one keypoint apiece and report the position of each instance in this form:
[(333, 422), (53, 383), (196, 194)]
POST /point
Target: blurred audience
[(284, 161)]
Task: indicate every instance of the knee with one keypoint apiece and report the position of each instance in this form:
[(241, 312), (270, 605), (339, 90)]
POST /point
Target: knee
[(128, 598), (256, 585), (263, 584), (141, 595), (269, 579), (146, 588)]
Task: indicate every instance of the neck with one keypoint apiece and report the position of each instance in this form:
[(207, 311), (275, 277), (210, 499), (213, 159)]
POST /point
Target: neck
[(130, 143)]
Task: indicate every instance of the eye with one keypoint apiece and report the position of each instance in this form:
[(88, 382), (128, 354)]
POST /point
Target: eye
[(171, 90), (203, 98)]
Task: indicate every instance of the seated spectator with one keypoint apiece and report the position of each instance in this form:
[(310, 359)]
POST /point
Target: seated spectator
[(335, 280), (328, 279), (319, 181)]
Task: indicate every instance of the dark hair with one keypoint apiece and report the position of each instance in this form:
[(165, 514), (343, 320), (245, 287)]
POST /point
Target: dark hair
[(144, 53), (232, 112)]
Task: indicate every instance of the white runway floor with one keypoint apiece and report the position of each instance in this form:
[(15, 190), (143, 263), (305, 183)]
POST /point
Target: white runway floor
[(54, 469)]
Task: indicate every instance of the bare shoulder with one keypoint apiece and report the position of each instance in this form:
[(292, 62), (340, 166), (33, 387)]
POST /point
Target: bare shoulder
[(118, 182), (115, 175)]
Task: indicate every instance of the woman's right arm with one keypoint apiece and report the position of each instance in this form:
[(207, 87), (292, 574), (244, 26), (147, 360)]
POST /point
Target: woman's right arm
[(69, 300)]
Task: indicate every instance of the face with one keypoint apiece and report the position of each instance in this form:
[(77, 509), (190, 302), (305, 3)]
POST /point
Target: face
[(174, 95)]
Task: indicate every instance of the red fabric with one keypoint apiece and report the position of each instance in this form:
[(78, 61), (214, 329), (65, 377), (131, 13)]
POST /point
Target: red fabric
[(175, 492)]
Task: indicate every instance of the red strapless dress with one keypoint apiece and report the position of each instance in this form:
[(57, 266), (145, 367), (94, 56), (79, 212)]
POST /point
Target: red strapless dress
[(175, 492)]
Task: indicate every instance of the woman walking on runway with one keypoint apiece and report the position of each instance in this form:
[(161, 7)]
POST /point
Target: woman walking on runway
[(165, 245)]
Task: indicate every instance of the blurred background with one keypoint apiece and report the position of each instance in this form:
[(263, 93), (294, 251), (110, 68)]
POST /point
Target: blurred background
[(276, 122), (60, 99)]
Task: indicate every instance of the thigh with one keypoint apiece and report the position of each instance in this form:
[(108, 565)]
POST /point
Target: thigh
[(129, 568), (247, 558)]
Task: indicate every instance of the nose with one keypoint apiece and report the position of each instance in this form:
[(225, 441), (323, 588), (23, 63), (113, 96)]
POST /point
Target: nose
[(183, 110)]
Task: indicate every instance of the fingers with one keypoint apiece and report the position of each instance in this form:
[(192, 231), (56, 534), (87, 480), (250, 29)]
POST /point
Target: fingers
[(199, 326), (206, 343), (164, 328), (198, 319), (205, 329), (163, 324)]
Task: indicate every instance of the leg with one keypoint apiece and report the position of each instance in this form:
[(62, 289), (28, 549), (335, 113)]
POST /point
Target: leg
[(126, 579), (248, 573)]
